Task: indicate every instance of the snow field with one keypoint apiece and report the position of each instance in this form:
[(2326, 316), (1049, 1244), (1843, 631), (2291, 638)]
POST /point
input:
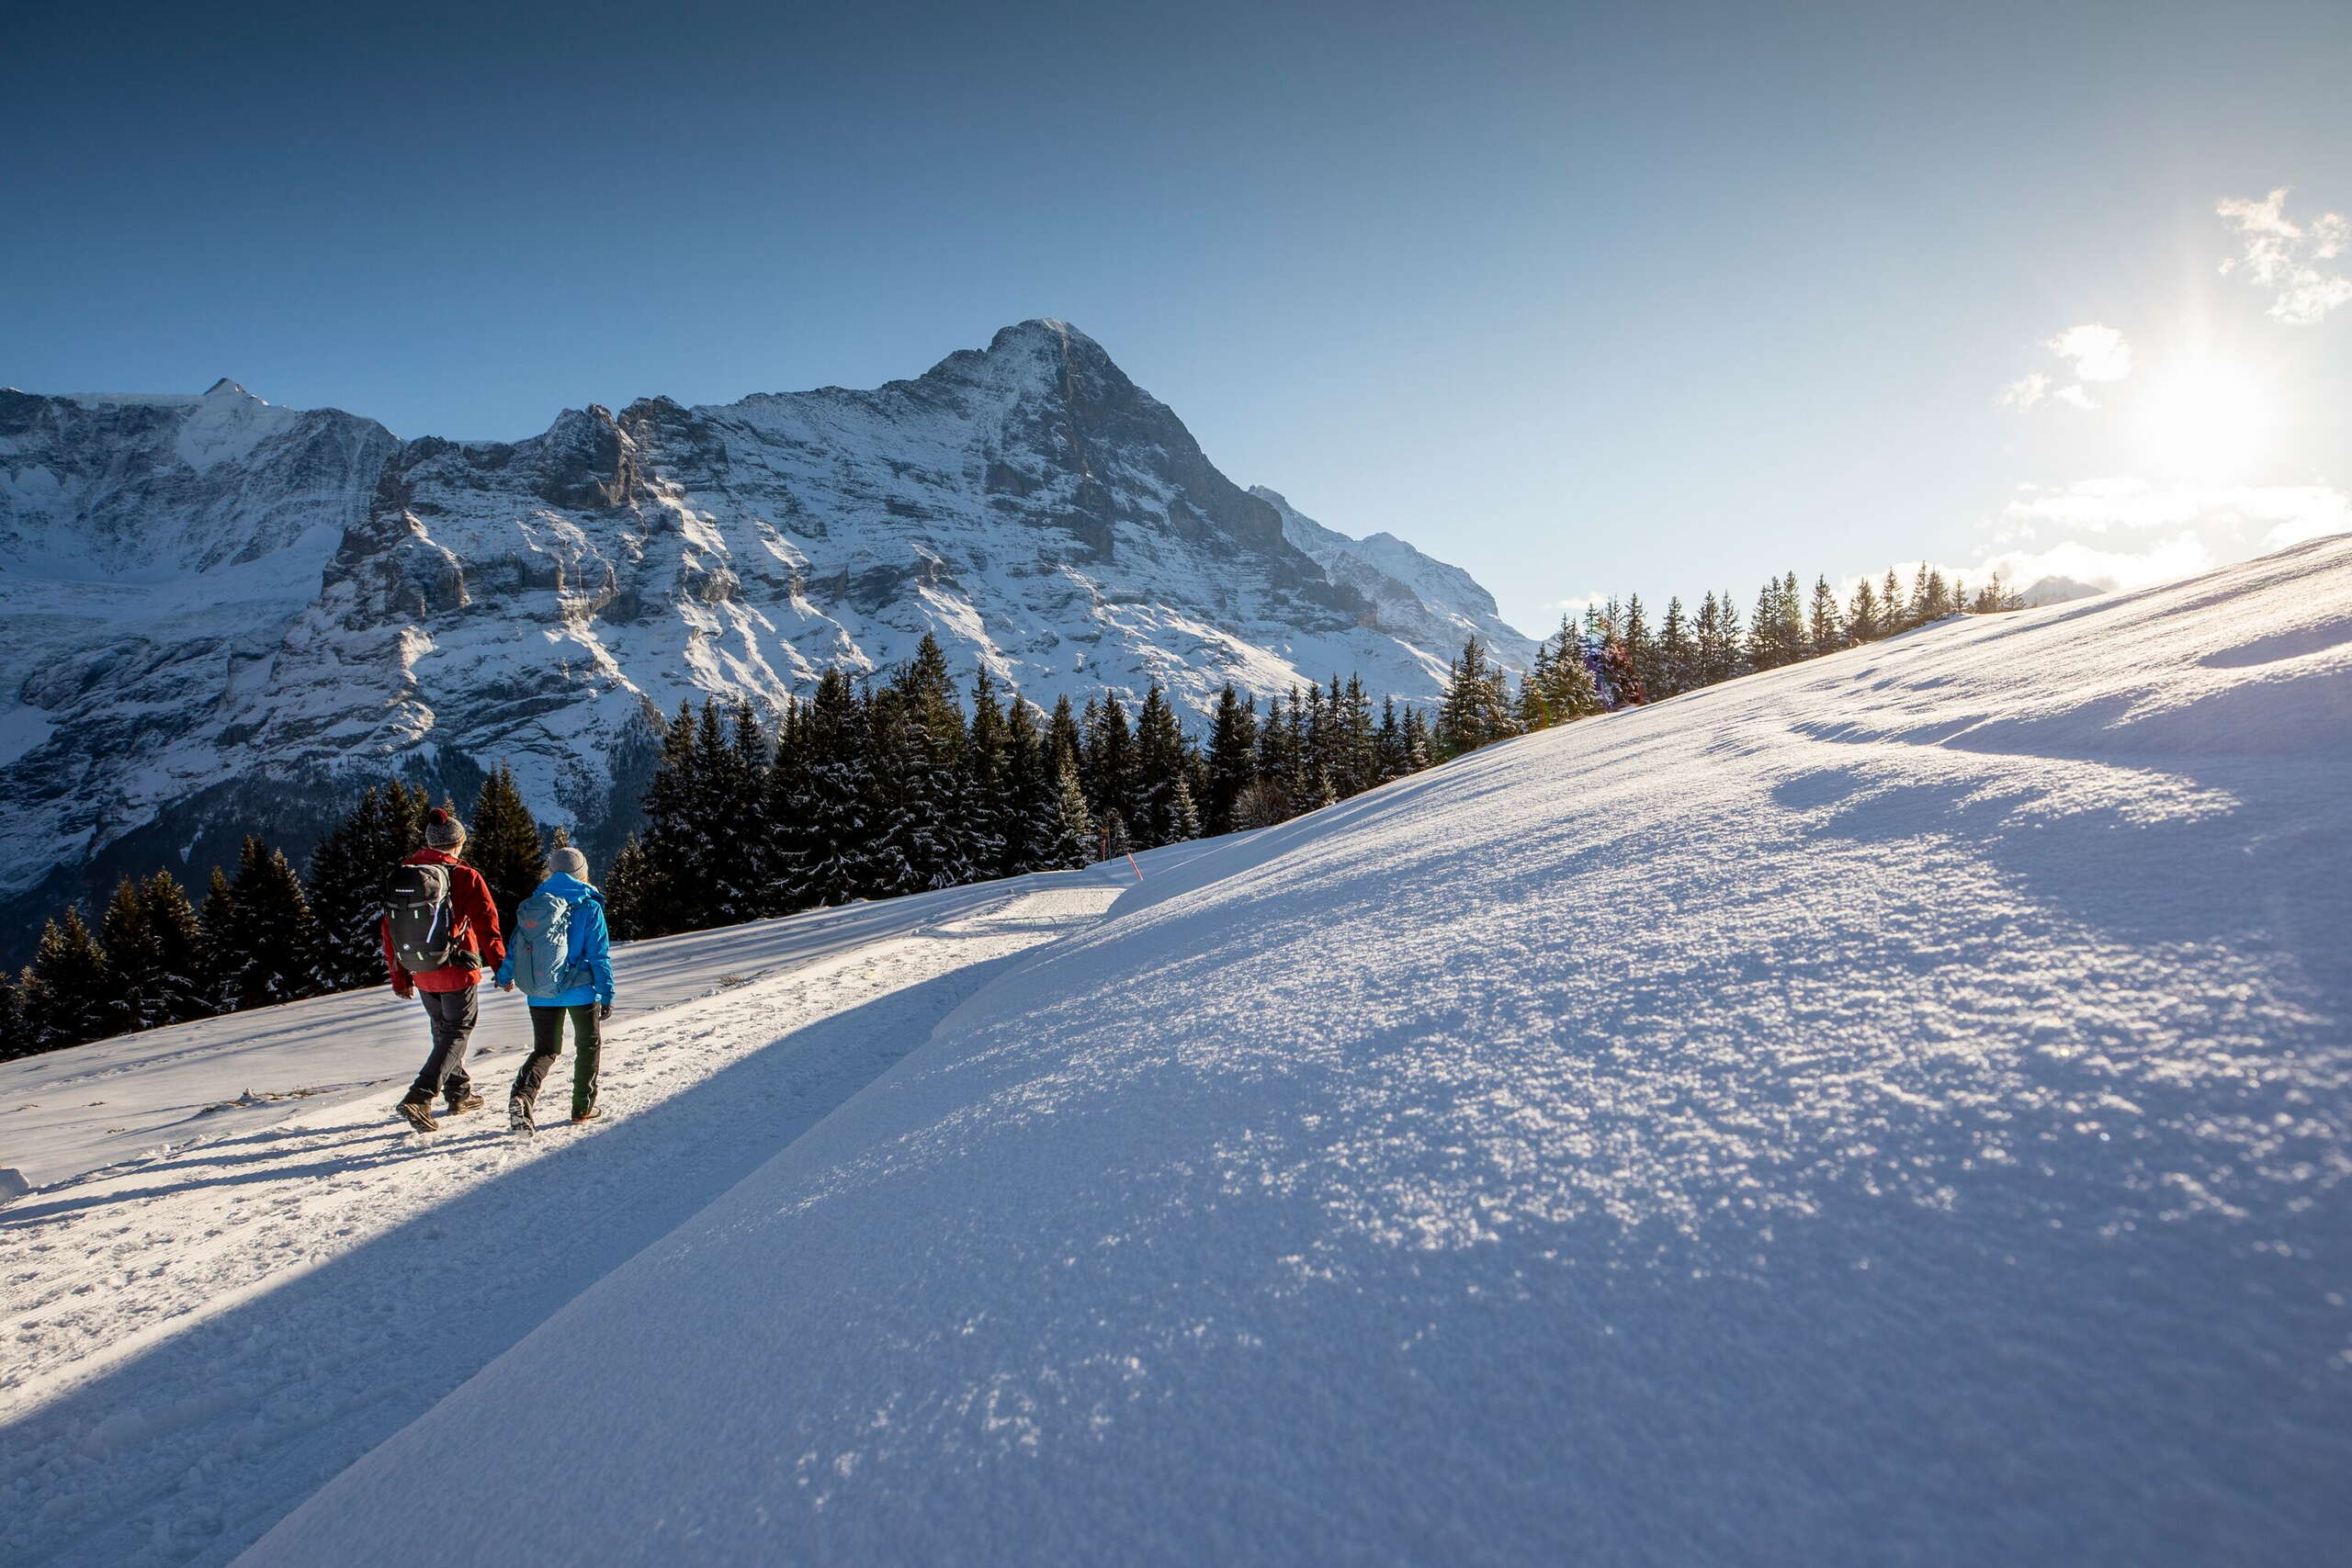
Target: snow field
[(197, 1342), (1890, 1109)]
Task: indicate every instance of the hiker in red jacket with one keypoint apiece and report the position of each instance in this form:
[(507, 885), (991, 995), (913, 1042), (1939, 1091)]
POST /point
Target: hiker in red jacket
[(440, 933)]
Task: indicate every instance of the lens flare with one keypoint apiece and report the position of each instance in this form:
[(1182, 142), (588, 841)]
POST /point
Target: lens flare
[(2205, 421)]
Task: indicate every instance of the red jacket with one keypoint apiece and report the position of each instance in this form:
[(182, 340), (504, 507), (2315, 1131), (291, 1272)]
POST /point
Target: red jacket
[(476, 928)]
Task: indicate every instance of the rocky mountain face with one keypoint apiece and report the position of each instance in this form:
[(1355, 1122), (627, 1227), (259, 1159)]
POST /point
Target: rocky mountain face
[(220, 611)]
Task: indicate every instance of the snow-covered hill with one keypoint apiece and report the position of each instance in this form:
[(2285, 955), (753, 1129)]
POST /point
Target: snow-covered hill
[(1896, 1108), (1893, 1109), (217, 607)]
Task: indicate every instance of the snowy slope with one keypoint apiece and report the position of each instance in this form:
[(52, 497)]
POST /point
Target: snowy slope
[(1893, 1109), (220, 611), (199, 1337)]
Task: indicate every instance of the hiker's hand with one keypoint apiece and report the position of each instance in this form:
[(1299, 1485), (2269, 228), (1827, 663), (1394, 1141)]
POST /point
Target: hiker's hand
[(604, 1011), (506, 985), (404, 992)]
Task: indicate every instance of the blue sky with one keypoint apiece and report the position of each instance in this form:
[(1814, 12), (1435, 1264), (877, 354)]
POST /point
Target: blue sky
[(1586, 298)]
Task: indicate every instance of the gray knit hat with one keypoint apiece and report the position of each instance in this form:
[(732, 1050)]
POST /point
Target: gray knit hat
[(443, 831), (569, 862)]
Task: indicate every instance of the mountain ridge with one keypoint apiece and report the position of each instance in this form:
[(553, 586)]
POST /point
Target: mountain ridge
[(227, 611)]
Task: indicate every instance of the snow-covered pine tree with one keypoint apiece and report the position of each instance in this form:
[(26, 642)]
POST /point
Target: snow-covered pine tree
[(1467, 716), (741, 838), (1618, 676), (1569, 691), (829, 843), (503, 842), (783, 805), (1640, 646), (1233, 757), (1183, 816), (70, 991), (1735, 655), (1070, 842)]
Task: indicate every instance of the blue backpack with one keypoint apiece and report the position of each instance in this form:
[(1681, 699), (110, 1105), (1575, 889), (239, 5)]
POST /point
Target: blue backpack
[(542, 946)]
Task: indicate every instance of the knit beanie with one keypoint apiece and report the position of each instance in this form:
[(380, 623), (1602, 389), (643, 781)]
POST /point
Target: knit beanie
[(569, 862), (443, 831)]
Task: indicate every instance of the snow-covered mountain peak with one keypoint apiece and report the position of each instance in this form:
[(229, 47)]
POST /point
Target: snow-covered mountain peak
[(370, 605)]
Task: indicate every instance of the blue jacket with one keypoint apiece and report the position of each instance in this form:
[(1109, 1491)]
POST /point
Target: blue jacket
[(591, 946)]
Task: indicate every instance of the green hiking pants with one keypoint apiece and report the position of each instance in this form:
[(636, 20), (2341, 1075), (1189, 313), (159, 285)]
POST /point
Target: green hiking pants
[(547, 1044)]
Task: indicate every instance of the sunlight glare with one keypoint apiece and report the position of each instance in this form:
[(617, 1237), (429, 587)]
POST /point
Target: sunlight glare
[(2205, 421)]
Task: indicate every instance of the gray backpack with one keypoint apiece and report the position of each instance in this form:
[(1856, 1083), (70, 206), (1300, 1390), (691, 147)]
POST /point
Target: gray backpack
[(542, 943)]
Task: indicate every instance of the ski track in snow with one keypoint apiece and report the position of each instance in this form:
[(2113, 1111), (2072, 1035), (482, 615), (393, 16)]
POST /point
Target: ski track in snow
[(195, 1344)]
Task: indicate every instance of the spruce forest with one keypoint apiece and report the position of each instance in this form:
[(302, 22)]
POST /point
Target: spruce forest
[(872, 789)]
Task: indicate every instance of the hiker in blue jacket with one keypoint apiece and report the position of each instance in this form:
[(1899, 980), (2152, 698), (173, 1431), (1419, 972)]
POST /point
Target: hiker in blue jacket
[(561, 956)]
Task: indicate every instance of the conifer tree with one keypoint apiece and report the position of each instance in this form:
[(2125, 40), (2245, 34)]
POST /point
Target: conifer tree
[(1827, 631), (829, 845), (1070, 842), (70, 991), (176, 964), (1183, 817), (14, 1040), (782, 812), (503, 843), (349, 870), (1475, 710), (1159, 771), (1675, 654), (1233, 760), (675, 896), (1640, 648), (1032, 794), (1890, 606), (1108, 763), (129, 944), (273, 944), (1862, 616), (1420, 749), (1276, 767), (1388, 745), (1569, 691), (628, 888), (219, 923), (1065, 739), (988, 806), (1355, 769)]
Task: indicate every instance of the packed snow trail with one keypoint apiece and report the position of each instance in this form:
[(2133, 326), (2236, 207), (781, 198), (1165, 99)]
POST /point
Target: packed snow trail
[(197, 1343), (1894, 1108)]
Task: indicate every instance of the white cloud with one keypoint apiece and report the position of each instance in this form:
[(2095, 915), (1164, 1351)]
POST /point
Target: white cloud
[(2097, 353), (2025, 391), (2123, 532), (2093, 352), (2075, 561), (2283, 255)]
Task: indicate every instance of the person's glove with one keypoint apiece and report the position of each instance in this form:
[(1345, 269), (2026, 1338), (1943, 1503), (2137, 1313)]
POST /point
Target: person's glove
[(604, 1011)]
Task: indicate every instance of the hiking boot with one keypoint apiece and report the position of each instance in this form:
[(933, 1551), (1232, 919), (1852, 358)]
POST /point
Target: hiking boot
[(518, 1116), (471, 1103), (419, 1116), (588, 1115)]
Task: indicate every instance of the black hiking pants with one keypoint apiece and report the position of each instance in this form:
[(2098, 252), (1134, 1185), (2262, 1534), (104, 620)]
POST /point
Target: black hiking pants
[(547, 1044), (452, 1014)]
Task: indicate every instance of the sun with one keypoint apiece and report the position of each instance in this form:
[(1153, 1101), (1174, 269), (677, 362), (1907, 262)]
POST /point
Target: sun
[(2205, 419)]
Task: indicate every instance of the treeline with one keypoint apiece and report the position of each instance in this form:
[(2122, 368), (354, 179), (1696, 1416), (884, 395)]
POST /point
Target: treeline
[(869, 790), (873, 790)]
